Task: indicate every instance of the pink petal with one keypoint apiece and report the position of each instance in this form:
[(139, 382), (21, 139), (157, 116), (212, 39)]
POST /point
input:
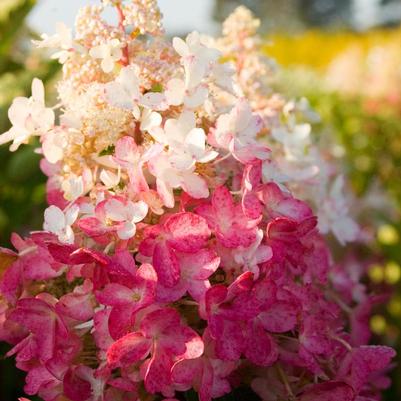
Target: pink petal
[(166, 265), (93, 227), (147, 272), (186, 371), (158, 373), (76, 388), (36, 378), (38, 317), (223, 204), (294, 209), (120, 321), (126, 260), (126, 149), (261, 348), (200, 265), (115, 295), (76, 306), (230, 341), (101, 333), (193, 343), (11, 282), (207, 212), (251, 205), (280, 317), (282, 229), (363, 362), (166, 193), (329, 391), (128, 349), (156, 322), (198, 288), (171, 294), (189, 232), (215, 296)]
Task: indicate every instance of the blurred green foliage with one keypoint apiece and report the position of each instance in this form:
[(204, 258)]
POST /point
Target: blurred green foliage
[(367, 132), (370, 132), (22, 185)]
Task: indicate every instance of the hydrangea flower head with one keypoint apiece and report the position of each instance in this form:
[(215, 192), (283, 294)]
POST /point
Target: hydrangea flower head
[(181, 248)]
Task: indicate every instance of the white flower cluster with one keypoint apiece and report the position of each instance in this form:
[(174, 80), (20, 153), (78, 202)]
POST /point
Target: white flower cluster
[(126, 130)]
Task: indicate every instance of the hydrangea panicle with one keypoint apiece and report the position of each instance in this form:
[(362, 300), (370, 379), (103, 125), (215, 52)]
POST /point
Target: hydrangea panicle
[(184, 244)]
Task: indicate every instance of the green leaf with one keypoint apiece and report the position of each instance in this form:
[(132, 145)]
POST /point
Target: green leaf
[(108, 151), (157, 87)]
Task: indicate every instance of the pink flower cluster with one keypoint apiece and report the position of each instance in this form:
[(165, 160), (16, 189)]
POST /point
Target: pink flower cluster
[(211, 300), (170, 260)]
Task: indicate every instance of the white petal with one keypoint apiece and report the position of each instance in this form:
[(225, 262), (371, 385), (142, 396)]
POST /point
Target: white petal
[(336, 191), (195, 186), (117, 96), (73, 188), (115, 43), (19, 111), (175, 92), (128, 78), (116, 210), (197, 97), (243, 115), (196, 138), (38, 91), (136, 111), (68, 236), (7, 136), (208, 156), (174, 134), (137, 211), (152, 120), (116, 54), (109, 179), (193, 39), (345, 229), (182, 161), (195, 71), (154, 100), (52, 148), (127, 231), (54, 219), (45, 119), (71, 215), (158, 134), (180, 47), (19, 140), (187, 121), (302, 131), (152, 152), (166, 193), (97, 52), (107, 64)]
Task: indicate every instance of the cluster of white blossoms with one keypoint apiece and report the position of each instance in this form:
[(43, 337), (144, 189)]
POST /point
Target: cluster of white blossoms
[(300, 163), (142, 118)]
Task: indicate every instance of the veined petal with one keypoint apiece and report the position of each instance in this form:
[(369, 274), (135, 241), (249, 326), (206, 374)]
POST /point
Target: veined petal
[(127, 350)]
